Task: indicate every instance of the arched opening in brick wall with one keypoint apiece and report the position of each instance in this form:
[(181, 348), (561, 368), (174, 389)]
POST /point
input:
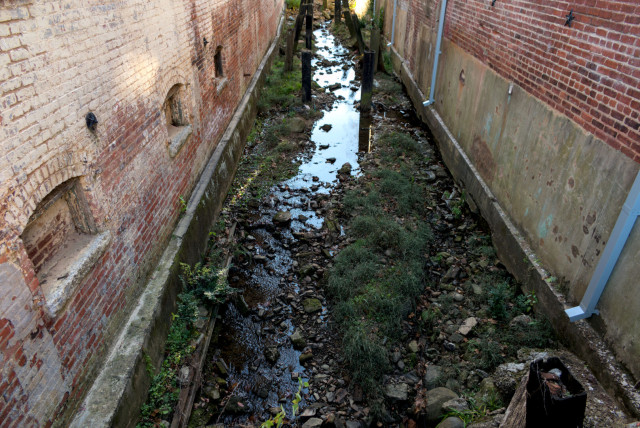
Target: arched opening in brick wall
[(62, 242), (177, 118), (218, 62)]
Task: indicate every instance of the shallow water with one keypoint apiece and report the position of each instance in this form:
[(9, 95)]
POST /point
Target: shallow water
[(244, 338)]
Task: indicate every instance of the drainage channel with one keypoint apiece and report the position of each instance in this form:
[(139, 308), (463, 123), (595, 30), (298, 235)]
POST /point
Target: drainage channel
[(254, 368)]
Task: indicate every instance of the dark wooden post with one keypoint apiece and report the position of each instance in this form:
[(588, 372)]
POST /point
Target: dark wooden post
[(367, 81), (288, 58), (356, 26), (349, 22), (308, 32), (337, 11), (298, 30), (345, 4), (375, 46), (306, 75)]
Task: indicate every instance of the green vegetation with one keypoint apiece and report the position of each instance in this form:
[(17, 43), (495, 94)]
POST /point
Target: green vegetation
[(376, 280), (279, 419), (293, 4), (386, 60), (201, 284), (183, 204), (477, 411), (282, 89)]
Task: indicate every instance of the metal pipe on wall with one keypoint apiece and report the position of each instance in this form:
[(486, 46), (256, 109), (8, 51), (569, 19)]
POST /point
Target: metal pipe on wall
[(393, 23), (626, 220), (434, 73)]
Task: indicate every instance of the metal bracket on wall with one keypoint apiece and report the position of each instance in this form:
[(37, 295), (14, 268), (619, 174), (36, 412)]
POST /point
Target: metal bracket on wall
[(626, 220), (570, 17)]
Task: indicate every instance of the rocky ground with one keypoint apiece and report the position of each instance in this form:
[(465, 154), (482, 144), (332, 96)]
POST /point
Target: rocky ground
[(366, 273)]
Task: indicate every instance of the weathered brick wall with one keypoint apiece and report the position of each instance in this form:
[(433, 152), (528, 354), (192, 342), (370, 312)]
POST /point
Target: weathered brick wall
[(58, 61), (590, 71)]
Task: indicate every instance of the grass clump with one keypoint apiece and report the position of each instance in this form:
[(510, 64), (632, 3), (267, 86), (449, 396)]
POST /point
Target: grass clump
[(376, 280), (293, 4), (366, 355), (401, 144), (281, 89)]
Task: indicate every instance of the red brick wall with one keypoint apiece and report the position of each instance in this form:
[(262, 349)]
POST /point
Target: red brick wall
[(590, 71), (58, 61)]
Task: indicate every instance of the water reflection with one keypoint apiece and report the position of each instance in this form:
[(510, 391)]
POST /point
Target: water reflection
[(364, 134)]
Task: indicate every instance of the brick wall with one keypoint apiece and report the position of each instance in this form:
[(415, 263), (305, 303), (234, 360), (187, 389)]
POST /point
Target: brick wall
[(58, 61), (590, 71)]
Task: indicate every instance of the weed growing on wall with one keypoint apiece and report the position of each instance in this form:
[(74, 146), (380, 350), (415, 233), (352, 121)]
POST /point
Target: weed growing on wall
[(202, 285)]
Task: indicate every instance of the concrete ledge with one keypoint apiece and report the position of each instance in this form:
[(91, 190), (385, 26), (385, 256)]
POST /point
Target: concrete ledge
[(517, 255), (178, 140), (122, 385)]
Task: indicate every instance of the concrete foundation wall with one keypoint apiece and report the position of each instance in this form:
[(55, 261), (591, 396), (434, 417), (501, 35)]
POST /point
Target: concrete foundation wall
[(558, 183), (120, 61)]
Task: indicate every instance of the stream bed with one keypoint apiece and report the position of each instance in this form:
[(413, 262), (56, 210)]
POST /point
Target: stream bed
[(260, 352)]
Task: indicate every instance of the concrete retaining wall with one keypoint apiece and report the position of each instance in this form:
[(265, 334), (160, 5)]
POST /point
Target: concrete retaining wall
[(550, 191)]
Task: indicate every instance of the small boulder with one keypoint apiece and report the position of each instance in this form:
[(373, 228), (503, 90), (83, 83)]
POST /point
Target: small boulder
[(282, 217), (345, 169), (185, 376), (272, 354), (467, 326), (212, 392), (312, 423), (304, 357), (326, 127), (456, 405), (397, 391), (413, 347), (433, 376), (298, 340), (487, 390), (311, 305), (435, 399), (452, 422), (507, 377), (297, 125), (520, 321)]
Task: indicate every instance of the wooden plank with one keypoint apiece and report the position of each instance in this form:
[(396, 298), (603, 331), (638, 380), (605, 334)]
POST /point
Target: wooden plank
[(516, 415)]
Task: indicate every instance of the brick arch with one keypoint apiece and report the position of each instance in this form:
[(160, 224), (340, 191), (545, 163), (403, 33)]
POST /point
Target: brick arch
[(46, 177), (169, 78)]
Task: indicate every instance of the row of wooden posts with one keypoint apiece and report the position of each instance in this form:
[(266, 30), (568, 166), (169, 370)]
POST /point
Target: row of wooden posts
[(370, 56)]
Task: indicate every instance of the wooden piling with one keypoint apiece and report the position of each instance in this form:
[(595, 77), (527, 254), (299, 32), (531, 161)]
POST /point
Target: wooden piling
[(297, 31), (306, 75), (349, 22), (367, 81), (288, 58), (308, 32), (374, 45), (356, 26), (337, 11)]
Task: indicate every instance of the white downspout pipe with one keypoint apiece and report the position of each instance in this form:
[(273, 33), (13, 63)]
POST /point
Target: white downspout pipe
[(627, 218), (434, 73), (393, 23)]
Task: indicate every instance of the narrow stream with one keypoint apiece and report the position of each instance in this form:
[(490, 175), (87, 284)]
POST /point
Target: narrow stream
[(254, 345)]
